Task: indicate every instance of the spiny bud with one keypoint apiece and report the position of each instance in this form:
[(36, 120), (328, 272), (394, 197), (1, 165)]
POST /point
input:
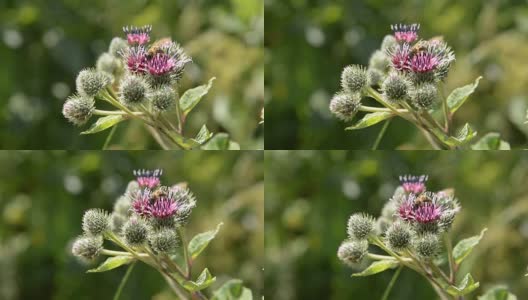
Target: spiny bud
[(116, 222), (90, 82), (117, 46), (122, 205), (360, 226), (352, 251), (379, 61), (132, 187), (78, 109), (426, 245), (396, 87), (135, 232), (424, 96), (163, 98), (354, 78), (374, 77), (389, 41), (345, 106), (87, 247), (431, 227), (398, 236), (95, 222), (109, 64), (133, 90), (447, 219), (164, 241)]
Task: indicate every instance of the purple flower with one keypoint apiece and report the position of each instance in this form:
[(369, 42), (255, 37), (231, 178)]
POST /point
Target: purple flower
[(148, 179), (138, 35), (424, 62), (169, 60), (141, 205), (160, 64), (427, 213), (405, 33), (401, 57), (405, 211), (164, 207), (136, 60), (413, 184), (425, 208)]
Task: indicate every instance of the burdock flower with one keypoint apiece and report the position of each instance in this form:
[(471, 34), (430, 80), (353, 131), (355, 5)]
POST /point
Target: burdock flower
[(400, 56), (424, 62), (147, 178), (413, 184), (168, 63), (138, 35), (164, 207), (136, 59), (424, 208), (141, 204), (405, 33)]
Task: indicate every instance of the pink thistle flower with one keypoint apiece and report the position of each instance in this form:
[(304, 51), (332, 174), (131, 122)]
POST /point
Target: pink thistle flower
[(136, 59), (401, 57), (148, 179), (427, 213), (424, 62), (413, 184), (405, 33), (164, 207), (405, 211), (169, 61), (141, 204), (138, 35), (160, 64)]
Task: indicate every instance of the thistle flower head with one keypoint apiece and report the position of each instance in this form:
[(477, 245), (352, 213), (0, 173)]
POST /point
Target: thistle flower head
[(95, 222), (117, 46), (427, 245), (141, 204), (424, 96), (345, 105), (398, 236), (133, 90), (400, 57), (164, 241), (78, 109), (379, 60), (167, 64), (137, 35), (352, 251), (396, 87), (109, 64), (360, 226), (413, 184), (163, 98), (388, 42), (374, 77), (87, 247), (424, 62), (148, 178), (90, 82), (136, 59), (354, 78), (135, 232), (424, 208), (164, 207), (405, 33)]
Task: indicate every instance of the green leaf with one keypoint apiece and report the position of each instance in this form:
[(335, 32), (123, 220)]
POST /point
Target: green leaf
[(204, 280), (203, 136), (465, 135), (112, 263), (371, 119), (459, 96), (221, 142), (498, 293), (491, 141), (104, 123), (465, 246), (182, 141), (192, 97), (201, 240), (467, 286), (232, 290), (377, 267)]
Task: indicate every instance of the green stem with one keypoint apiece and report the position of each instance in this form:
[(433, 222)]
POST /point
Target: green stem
[(452, 265), (188, 259), (109, 137), (380, 135), (379, 109), (446, 109), (123, 281), (391, 283), (120, 253), (100, 112), (174, 286)]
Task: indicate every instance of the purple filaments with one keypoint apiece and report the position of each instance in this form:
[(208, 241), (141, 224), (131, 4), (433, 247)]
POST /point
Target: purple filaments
[(413, 184), (405, 33), (427, 213), (138, 35), (424, 62), (400, 57), (164, 208), (136, 60), (141, 205), (148, 179), (413, 209), (161, 64)]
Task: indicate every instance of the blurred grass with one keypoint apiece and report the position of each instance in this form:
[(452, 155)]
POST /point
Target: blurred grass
[(44, 44), (308, 43), (310, 195), (42, 204)]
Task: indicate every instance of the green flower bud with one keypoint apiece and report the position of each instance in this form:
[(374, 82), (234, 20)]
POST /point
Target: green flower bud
[(95, 222), (116, 222), (78, 109), (426, 245), (447, 219), (132, 187), (164, 241), (122, 205), (87, 247), (135, 232), (379, 61), (133, 90), (388, 42), (117, 46), (352, 251), (345, 106), (360, 226), (424, 96), (398, 236), (396, 87), (374, 77), (90, 82), (354, 79), (163, 98), (423, 228), (109, 64)]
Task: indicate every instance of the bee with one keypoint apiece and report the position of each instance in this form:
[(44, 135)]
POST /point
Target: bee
[(422, 199), (161, 192), (157, 46), (422, 45)]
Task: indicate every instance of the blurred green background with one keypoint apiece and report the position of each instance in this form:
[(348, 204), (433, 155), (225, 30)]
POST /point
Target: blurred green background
[(308, 43), (310, 195), (45, 43), (41, 207)]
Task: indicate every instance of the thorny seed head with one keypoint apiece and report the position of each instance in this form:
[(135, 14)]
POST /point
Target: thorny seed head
[(87, 247), (388, 42), (360, 226), (135, 232), (117, 46), (122, 205), (345, 105), (424, 96), (78, 109), (352, 251), (379, 61), (148, 178), (398, 236), (405, 33), (163, 98), (137, 35), (427, 245), (95, 222), (133, 90), (354, 79), (117, 221), (374, 77), (164, 241), (396, 87), (413, 184), (109, 64), (90, 82)]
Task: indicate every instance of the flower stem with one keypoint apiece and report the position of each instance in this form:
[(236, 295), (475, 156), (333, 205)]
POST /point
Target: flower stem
[(100, 112), (123, 281), (379, 109), (391, 283), (380, 135), (109, 137), (452, 265), (188, 259)]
